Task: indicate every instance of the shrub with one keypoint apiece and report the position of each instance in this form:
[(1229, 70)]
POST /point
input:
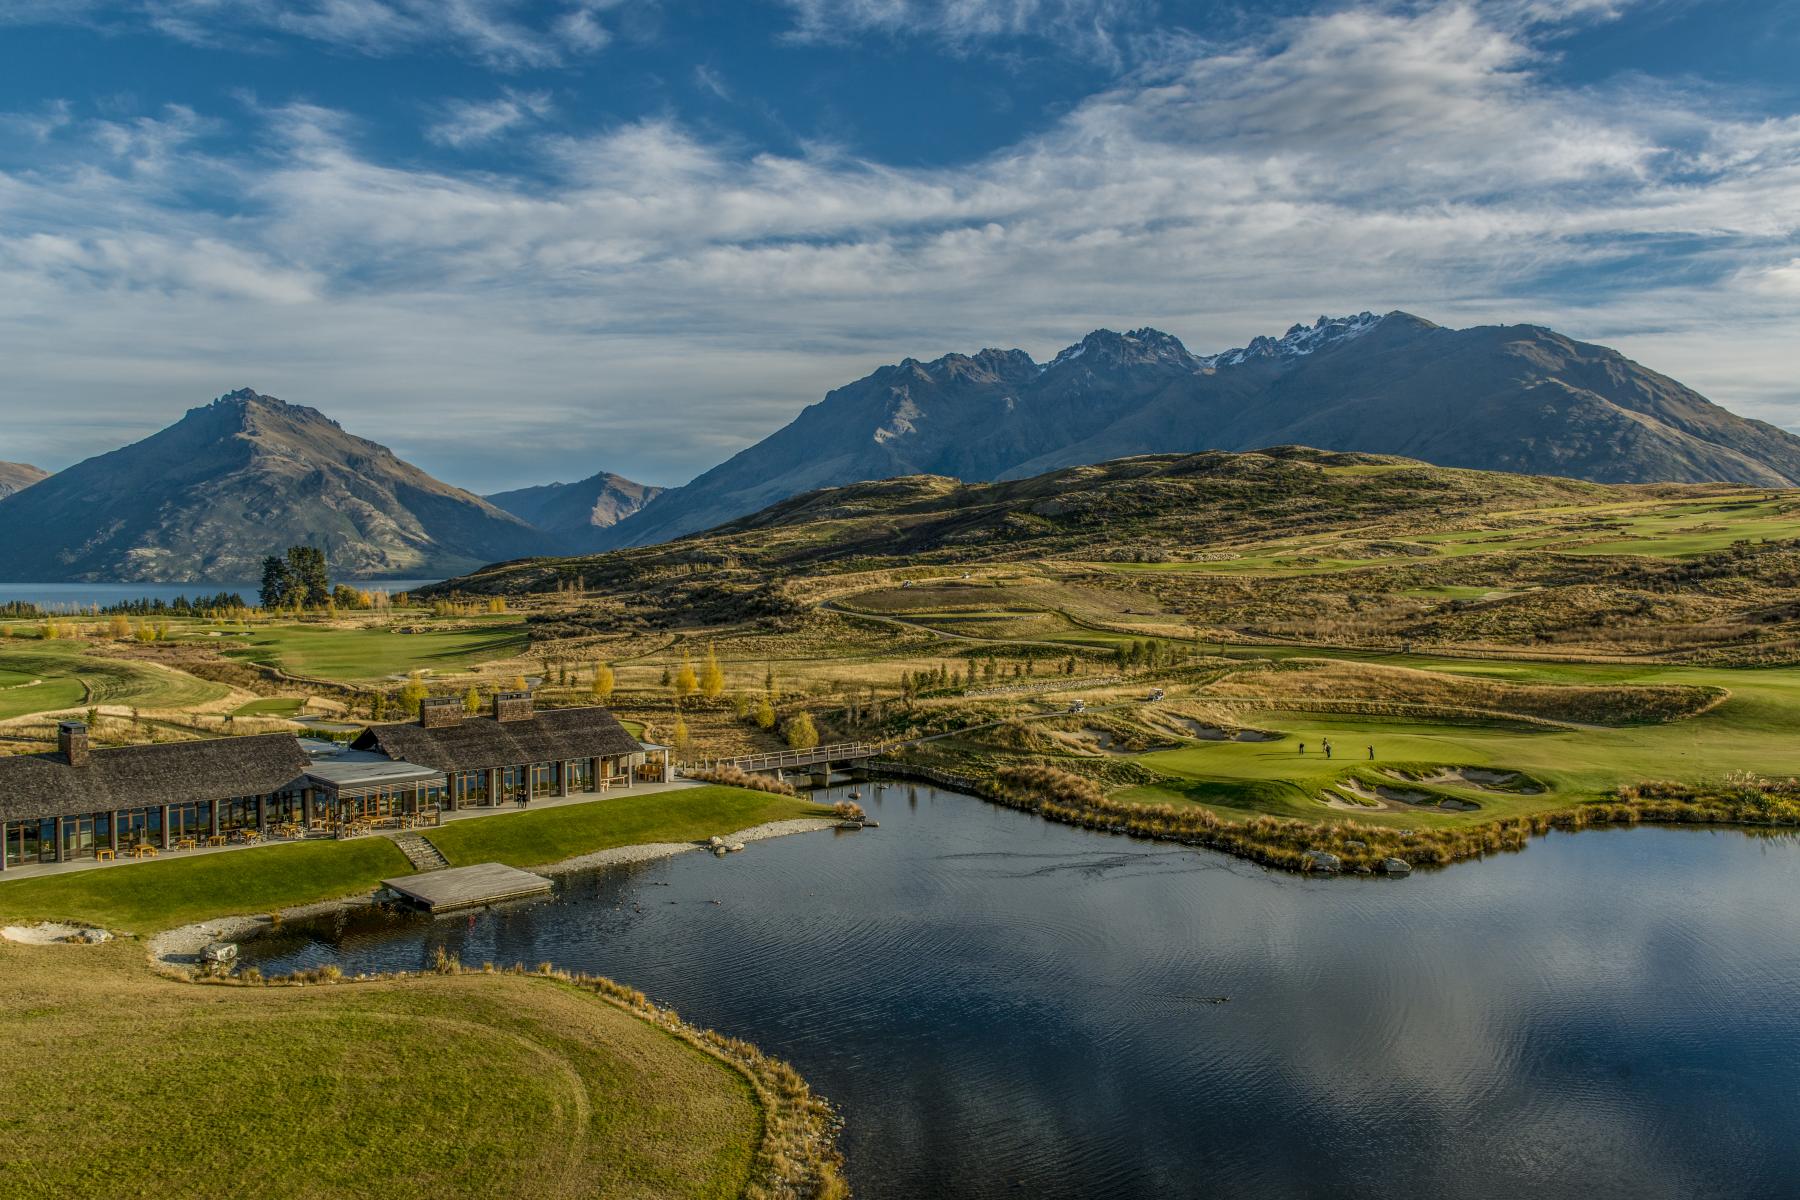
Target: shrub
[(732, 775)]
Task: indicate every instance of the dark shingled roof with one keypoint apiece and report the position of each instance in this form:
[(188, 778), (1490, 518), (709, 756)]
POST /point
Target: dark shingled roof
[(478, 743), (45, 785)]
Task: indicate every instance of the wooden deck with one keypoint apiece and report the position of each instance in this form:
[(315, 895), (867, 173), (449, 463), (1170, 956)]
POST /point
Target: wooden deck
[(466, 887)]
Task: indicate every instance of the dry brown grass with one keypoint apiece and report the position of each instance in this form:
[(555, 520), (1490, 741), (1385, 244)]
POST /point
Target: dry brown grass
[(1328, 680)]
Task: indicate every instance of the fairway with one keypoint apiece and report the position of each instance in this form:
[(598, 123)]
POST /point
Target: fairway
[(374, 652), (42, 676), (1749, 731)]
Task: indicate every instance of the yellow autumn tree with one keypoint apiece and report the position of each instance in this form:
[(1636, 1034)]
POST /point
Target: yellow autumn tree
[(685, 684), (801, 735), (413, 694), (603, 682), (712, 677)]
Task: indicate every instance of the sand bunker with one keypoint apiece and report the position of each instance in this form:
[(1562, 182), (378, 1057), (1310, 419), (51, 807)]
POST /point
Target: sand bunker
[(1092, 737), (1393, 797), (1476, 777), (1331, 799)]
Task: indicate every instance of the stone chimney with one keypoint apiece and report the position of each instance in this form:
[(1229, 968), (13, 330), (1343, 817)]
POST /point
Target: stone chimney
[(440, 712), (72, 740), (512, 706)]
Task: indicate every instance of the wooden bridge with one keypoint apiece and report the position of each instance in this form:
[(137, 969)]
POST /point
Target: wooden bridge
[(819, 758)]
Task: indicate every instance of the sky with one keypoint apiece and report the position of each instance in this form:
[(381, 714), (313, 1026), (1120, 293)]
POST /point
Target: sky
[(520, 241)]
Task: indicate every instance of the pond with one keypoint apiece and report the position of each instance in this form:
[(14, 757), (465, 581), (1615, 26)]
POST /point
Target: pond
[(1006, 1007)]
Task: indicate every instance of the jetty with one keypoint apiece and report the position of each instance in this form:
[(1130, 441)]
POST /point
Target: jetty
[(468, 887)]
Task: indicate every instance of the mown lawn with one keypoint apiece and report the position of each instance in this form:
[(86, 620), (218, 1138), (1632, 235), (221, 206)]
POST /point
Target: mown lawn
[(125, 1084), (373, 652), (279, 706), (177, 890), (529, 839)]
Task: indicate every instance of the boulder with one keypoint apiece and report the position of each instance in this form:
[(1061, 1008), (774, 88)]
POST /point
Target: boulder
[(1322, 860), (1396, 866)]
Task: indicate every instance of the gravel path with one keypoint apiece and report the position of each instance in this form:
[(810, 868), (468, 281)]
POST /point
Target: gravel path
[(650, 851)]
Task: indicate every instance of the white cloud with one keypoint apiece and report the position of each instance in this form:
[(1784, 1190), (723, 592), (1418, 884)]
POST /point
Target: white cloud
[(1090, 28), (660, 298), (498, 33), (473, 122)]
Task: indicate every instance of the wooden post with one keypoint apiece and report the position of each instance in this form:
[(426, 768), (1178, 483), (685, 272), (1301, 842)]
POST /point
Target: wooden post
[(5, 829), (163, 828), (494, 786), (262, 820), (213, 806), (306, 809), (113, 829), (62, 841), (562, 774)]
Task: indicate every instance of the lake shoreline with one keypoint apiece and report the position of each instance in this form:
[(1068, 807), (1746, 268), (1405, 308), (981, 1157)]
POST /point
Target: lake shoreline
[(176, 951)]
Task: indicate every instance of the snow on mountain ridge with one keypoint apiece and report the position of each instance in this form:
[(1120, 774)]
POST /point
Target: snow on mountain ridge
[(1298, 341)]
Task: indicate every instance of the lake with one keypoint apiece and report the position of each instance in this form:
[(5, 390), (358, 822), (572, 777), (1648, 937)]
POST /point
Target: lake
[(72, 597), (1005, 1007)]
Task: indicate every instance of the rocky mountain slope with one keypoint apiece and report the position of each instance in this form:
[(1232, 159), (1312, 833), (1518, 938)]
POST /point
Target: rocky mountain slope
[(242, 477), (572, 513), (1514, 398), (18, 476)]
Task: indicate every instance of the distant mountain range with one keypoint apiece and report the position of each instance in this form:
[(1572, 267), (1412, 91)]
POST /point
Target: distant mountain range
[(18, 476), (1516, 398), (574, 513), (248, 475)]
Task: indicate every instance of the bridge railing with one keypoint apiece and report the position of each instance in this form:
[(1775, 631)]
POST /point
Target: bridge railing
[(793, 758)]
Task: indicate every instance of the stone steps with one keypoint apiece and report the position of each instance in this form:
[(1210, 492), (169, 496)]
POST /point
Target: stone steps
[(420, 853)]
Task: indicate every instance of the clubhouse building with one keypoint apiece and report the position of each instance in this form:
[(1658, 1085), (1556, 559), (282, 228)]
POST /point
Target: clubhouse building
[(86, 803)]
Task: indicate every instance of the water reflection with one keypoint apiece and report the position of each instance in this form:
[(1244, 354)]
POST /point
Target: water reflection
[(1005, 1007)]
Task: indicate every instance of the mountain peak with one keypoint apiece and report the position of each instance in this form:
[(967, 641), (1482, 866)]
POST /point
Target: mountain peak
[(237, 478), (1138, 347)]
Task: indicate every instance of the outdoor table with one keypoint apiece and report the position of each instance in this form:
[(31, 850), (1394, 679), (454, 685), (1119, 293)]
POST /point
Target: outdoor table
[(249, 836), (104, 853), (143, 852), (186, 843), (217, 839)]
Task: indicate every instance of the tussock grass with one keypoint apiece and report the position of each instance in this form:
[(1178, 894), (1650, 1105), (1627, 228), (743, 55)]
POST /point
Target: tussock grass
[(732, 775), (1284, 842)]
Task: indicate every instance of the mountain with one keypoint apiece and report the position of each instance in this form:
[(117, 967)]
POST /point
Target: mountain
[(242, 477), (572, 512), (1516, 398), (15, 477)]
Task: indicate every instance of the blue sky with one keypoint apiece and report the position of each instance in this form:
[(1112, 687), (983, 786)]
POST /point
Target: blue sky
[(521, 241)]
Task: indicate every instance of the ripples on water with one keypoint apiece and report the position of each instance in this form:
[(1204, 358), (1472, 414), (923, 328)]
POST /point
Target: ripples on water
[(1007, 1007)]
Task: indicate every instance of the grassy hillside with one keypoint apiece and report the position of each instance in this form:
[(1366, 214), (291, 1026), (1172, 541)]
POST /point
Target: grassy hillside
[(473, 1085)]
